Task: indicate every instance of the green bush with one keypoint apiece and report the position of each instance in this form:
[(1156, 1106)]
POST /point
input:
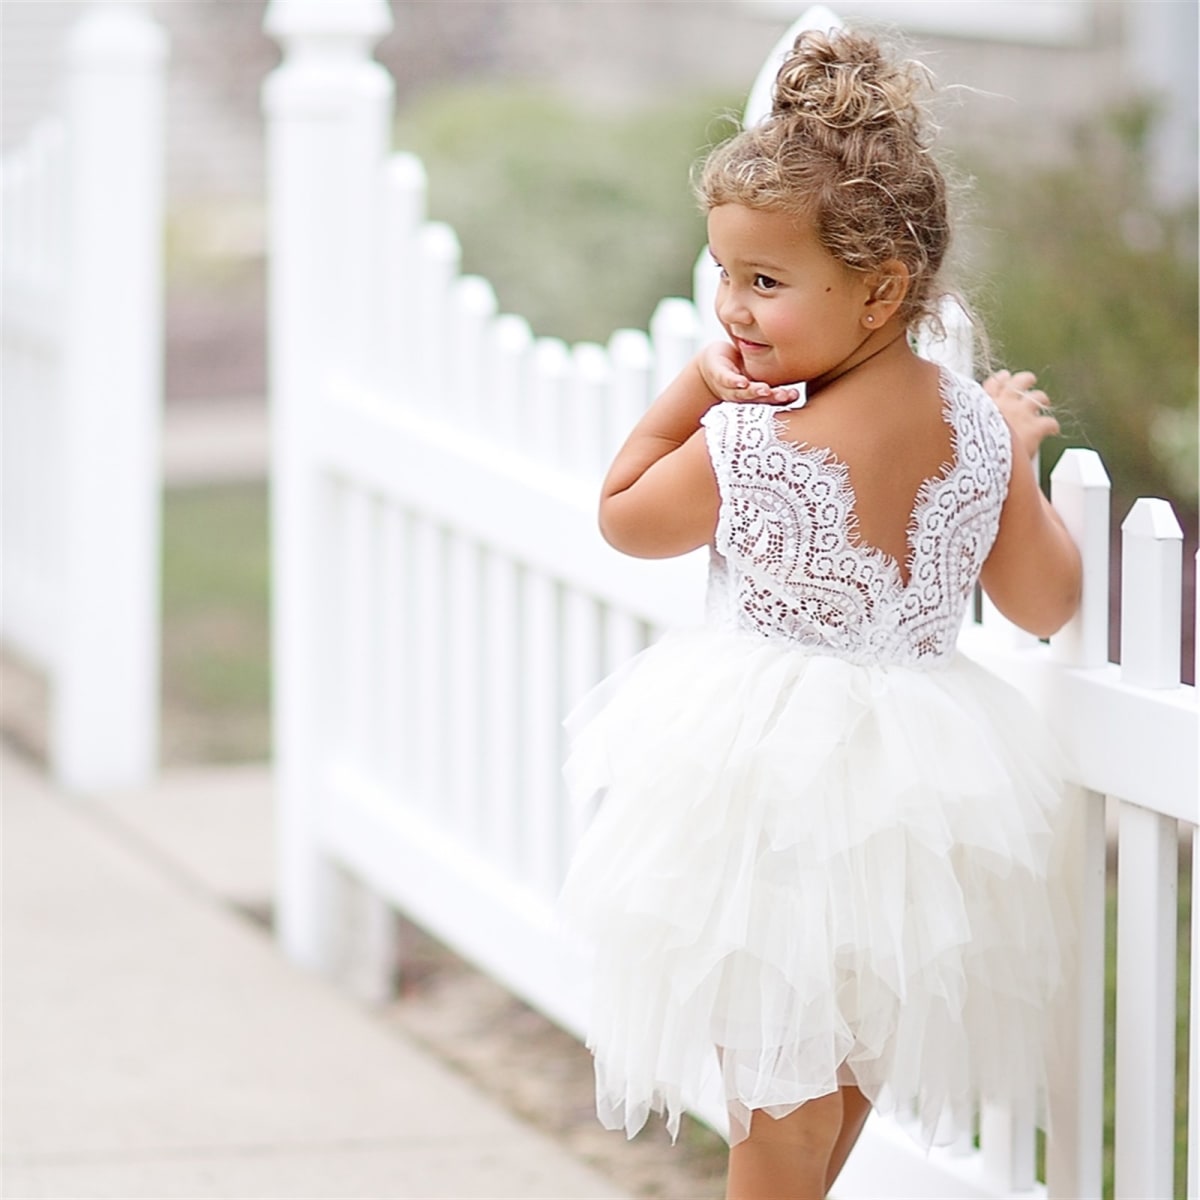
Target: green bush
[(581, 220), (1095, 290)]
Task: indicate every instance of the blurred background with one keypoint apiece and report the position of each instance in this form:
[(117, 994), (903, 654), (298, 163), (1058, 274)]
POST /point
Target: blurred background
[(558, 136)]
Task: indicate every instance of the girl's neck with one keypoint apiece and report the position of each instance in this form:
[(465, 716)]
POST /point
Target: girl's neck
[(875, 348)]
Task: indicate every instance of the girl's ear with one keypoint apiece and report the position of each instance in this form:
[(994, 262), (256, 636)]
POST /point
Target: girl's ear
[(886, 289)]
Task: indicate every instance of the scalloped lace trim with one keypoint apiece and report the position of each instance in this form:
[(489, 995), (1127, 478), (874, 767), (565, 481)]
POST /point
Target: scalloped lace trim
[(788, 563)]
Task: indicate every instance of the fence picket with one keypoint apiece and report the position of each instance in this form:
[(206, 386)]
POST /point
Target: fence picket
[(438, 259), (541, 713), (510, 345), (541, 428), (585, 451), (354, 625), (1147, 883), (1006, 1142), (1147, 875), (428, 585), (675, 334), (583, 647), (633, 368), (402, 208), (1074, 1155), (1081, 493), (1151, 585), (467, 783), (1193, 1127), (1193, 1134), (501, 669), (473, 307), (397, 699)]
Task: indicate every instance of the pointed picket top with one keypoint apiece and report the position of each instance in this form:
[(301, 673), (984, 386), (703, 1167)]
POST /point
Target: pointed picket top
[(1081, 491), (1154, 519), (758, 104), (116, 34), (1151, 584), (675, 332)]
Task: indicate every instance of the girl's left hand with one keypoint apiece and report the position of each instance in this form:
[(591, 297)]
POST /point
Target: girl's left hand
[(1026, 408), (721, 368)]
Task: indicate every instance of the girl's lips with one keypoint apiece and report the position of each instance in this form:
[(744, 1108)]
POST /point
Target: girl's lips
[(750, 347)]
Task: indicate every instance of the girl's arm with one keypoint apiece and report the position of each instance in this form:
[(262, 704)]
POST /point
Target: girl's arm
[(660, 496), (1033, 572)]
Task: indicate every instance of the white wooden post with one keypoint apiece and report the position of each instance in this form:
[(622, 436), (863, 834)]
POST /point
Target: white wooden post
[(1151, 574), (104, 721), (328, 108), (1081, 492), (1193, 1135), (758, 103)]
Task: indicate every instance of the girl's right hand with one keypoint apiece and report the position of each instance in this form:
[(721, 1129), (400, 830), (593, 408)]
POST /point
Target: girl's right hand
[(1026, 409), (721, 369)]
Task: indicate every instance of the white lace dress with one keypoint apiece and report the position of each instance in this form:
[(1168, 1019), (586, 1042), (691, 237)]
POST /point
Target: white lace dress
[(827, 840)]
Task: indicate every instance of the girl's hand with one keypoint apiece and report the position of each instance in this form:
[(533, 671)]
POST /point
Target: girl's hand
[(1027, 410), (721, 369)]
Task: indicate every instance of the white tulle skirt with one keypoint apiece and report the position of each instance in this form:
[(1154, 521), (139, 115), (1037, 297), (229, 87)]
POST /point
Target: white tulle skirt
[(805, 871)]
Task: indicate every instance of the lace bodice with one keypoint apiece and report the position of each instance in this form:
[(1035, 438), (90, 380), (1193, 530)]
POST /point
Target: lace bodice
[(785, 560)]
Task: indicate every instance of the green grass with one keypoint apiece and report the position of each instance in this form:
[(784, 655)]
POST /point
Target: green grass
[(216, 652)]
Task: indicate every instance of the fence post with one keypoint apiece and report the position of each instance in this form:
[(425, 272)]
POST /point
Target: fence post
[(1080, 490), (1193, 1132), (1081, 493), (104, 718), (1147, 875), (328, 107)]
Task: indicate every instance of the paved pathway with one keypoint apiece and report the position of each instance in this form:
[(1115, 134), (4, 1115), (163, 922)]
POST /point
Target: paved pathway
[(156, 1044)]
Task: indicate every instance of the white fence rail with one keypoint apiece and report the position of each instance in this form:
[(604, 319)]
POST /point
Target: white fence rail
[(82, 388), (442, 598)]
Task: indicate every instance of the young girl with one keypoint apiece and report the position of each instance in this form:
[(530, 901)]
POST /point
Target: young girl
[(822, 870)]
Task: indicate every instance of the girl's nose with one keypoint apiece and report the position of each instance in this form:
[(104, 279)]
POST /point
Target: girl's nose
[(731, 306)]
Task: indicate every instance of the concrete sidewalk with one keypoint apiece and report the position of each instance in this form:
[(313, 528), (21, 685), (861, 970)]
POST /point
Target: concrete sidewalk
[(156, 1044)]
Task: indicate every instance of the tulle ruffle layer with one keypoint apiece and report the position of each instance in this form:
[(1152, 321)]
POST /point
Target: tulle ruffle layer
[(828, 871)]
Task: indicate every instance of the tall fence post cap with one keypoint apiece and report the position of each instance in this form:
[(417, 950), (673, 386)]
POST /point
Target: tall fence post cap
[(308, 18), (117, 34), (1081, 466), (758, 104), (1154, 518)]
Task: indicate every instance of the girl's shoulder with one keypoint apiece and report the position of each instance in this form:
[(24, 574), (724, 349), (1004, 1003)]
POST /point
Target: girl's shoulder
[(980, 431)]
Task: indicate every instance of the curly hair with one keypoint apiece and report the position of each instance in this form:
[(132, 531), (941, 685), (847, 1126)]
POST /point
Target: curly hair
[(846, 146)]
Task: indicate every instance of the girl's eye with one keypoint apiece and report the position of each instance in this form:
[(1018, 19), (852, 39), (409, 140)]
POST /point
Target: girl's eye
[(765, 283)]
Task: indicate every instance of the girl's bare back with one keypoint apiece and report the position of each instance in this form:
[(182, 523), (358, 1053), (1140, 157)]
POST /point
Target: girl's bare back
[(892, 437)]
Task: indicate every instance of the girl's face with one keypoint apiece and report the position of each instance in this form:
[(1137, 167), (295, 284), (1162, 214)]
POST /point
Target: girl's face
[(792, 310)]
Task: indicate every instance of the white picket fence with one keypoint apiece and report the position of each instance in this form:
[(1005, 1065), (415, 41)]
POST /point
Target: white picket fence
[(442, 597), (82, 398)]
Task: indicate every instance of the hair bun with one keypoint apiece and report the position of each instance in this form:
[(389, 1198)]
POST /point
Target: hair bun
[(842, 79)]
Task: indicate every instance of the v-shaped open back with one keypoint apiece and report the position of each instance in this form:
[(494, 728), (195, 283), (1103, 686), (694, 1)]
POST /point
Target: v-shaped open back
[(789, 564), (920, 491)]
